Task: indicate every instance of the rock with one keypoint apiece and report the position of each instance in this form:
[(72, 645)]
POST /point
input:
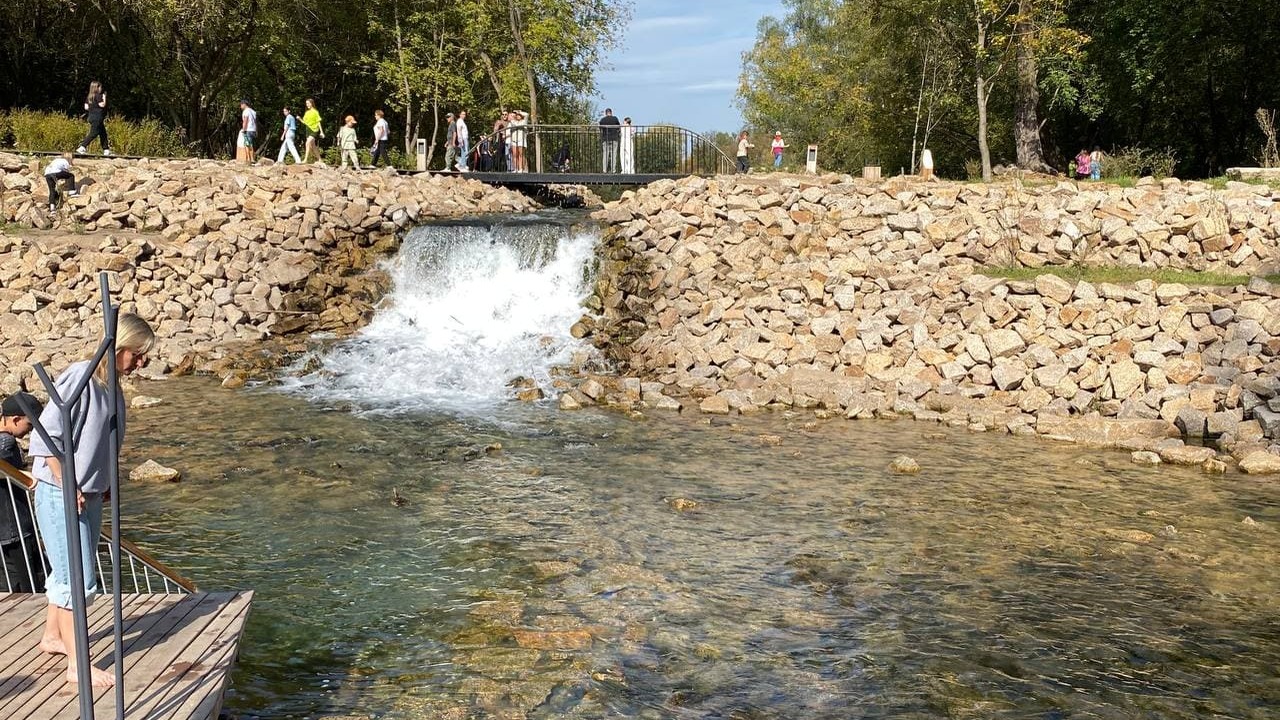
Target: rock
[(145, 401), (569, 402), (1260, 462), (715, 405), (904, 465), (1187, 455), (1054, 288), (152, 471), (1104, 432), (233, 382), (1145, 457), (1214, 466), (1126, 378), (680, 504)]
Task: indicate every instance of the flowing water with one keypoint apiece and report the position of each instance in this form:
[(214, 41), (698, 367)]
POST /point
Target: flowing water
[(544, 564)]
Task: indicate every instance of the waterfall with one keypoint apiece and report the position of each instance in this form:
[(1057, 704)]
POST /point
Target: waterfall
[(472, 308)]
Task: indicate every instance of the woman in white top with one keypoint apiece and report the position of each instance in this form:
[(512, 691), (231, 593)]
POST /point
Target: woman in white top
[(628, 147), (518, 139)]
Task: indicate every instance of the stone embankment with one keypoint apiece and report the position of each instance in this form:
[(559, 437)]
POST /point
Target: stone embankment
[(736, 294), (212, 254)]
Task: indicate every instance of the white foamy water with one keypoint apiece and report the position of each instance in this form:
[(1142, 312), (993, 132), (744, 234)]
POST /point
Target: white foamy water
[(472, 309)]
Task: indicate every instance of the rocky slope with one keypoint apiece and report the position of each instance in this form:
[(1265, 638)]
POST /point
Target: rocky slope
[(735, 294)]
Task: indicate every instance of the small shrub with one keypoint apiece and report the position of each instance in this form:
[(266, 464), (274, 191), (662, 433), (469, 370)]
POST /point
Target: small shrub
[(36, 131), (1137, 161), (973, 169)]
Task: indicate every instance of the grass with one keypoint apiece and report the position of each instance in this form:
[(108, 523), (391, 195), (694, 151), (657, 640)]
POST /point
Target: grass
[(1121, 275)]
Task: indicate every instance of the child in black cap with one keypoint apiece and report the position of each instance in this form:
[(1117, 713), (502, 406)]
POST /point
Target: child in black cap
[(22, 562)]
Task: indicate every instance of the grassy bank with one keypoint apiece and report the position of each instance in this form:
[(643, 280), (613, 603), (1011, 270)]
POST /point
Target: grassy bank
[(1121, 275)]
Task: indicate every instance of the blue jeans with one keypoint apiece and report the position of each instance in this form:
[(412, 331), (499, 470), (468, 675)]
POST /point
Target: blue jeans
[(777, 160), (53, 530), (1095, 171)]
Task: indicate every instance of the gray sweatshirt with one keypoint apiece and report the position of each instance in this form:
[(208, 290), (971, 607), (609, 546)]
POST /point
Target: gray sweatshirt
[(93, 453)]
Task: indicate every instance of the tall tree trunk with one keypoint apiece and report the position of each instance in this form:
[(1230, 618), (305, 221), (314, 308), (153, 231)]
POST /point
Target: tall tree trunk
[(981, 82), (983, 148), (518, 35), (408, 96), (1026, 115)]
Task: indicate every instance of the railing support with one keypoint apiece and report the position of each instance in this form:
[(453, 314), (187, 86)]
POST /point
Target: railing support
[(72, 411)]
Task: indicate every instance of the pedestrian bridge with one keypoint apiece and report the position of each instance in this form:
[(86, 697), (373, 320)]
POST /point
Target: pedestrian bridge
[(576, 155)]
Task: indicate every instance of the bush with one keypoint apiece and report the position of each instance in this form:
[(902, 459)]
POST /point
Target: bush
[(973, 169), (34, 131), (1137, 161)]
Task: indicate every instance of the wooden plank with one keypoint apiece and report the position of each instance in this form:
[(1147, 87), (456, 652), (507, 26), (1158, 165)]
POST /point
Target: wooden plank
[(17, 636), (15, 607), (146, 632), (179, 652), (47, 670), (201, 676), (146, 672)]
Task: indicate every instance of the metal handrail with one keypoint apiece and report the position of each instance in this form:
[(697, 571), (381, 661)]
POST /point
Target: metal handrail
[(655, 150), (146, 573)]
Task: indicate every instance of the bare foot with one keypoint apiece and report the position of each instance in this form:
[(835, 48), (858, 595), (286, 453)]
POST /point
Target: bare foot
[(53, 646), (98, 678)]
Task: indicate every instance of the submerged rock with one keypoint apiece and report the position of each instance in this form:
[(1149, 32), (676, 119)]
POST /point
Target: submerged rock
[(904, 465), (145, 401), (1145, 457)]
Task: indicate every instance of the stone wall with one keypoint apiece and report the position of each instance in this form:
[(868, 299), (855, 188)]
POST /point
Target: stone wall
[(210, 253), (735, 294)]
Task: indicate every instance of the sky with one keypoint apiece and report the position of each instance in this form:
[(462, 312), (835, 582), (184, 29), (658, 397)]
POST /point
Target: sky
[(678, 61)]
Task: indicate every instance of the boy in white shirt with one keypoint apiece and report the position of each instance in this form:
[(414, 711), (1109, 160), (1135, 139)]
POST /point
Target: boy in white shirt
[(59, 169)]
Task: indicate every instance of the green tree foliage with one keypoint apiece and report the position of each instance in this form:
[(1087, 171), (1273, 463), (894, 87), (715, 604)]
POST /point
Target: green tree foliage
[(188, 62), (877, 79)]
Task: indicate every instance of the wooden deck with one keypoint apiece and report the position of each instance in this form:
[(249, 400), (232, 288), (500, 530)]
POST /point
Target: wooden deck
[(179, 652)]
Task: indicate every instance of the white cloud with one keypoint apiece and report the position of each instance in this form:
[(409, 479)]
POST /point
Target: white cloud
[(667, 22), (712, 86)]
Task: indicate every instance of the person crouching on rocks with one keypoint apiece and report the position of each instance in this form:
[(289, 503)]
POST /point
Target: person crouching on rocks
[(134, 341), (59, 169)]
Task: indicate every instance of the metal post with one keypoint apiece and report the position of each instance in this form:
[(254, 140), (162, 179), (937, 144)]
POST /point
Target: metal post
[(110, 317), (64, 448)]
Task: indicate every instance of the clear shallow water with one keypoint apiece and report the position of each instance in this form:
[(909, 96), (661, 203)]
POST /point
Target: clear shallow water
[(566, 575)]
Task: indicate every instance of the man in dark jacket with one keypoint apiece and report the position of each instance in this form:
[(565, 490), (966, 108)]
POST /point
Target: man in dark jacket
[(609, 136), (23, 564)]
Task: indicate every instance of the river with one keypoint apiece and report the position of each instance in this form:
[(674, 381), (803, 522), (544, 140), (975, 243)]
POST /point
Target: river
[(423, 546)]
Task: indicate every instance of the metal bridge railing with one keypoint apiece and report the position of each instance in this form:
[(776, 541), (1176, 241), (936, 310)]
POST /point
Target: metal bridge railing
[(595, 149), (23, 566)]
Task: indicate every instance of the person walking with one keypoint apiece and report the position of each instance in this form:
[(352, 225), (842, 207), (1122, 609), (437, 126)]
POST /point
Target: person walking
[(347, 142), (100, 414), (1095, 163), (313, 129), (450, 142), (59, 169), (287, 136), (464, 142), (628, 147), (744, 144), (248, 130), (95, 108), (23, 563), (778, 146), (381, 137), (501, 155), (609, 135)]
